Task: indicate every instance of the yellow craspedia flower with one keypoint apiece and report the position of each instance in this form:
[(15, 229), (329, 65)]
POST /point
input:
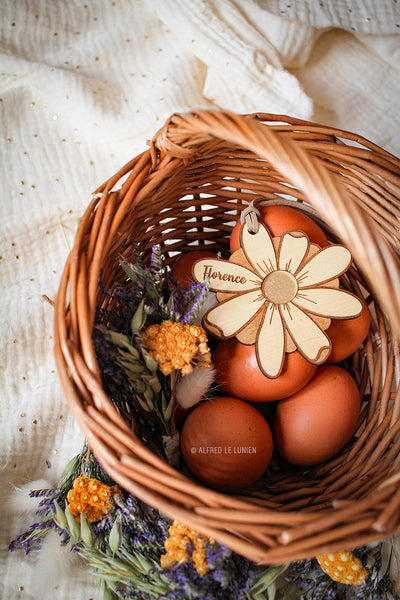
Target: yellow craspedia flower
[(90, 496), (180, 542), (177, 346), (343, 567)]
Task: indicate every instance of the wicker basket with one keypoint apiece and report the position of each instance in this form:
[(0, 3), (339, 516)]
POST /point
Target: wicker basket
[(186, 192)]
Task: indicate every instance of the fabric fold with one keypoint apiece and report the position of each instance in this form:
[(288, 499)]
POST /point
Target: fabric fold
[(243, 66)]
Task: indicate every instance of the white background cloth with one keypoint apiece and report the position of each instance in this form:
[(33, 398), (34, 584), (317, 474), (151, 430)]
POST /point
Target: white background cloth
[(83, 85)]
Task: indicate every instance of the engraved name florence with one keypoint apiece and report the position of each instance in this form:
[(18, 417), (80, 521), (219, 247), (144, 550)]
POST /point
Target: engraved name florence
[(209, 272)]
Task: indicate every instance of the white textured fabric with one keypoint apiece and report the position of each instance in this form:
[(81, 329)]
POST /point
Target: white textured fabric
[(364, 16), (83, 86)]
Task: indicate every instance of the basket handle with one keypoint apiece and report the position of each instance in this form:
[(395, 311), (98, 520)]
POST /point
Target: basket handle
[(184, 133)]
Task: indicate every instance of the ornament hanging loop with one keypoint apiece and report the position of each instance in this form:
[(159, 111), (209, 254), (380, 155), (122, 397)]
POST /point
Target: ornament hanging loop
[(251, 217)]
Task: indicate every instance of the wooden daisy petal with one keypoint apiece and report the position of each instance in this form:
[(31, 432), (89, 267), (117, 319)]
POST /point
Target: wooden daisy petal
[(225, 276), (329, 302), (270, 343), (293, 248), (324, 266), (311, 342), (230, 316), (259, 250)]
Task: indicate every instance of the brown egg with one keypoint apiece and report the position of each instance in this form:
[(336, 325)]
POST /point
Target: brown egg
[(239, 375), (316, 422), (182, 267), (279, 219), (347, 335), (226, 443)]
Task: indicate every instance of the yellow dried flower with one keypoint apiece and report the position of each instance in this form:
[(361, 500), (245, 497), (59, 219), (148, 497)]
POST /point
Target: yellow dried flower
[(90, 496), (177, 346), (343, 567), (178, 545)]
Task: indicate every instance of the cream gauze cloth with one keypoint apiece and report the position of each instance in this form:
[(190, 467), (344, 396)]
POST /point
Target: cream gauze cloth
[(83, 85)]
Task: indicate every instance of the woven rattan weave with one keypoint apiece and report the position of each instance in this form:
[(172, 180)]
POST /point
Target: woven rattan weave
[(186, 192)]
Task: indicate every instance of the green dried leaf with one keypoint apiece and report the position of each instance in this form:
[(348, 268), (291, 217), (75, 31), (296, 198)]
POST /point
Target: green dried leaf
[(143, 563), (171, 303), (73, 525), (108, 594), (265, 587), (119, 339), (150, 362), (115, 538), (155, 384), (133, 352), (129, 270), (60, 517), (163, 403), (148, 394), (132, 367), (70, 469), (139, 386), (139, 318), (119, 565), (86, 531), (148, 407), (168, 411)]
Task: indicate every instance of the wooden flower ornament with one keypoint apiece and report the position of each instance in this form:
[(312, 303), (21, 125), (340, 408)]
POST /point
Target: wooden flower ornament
[(279, 293)]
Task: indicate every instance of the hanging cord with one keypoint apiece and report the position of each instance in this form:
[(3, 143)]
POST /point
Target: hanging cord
[(251, 217)]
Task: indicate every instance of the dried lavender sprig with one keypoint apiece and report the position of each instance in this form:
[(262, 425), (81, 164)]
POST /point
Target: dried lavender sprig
[(157, 265), (156, 283), (197, 294), (30, 539), (229, 576), (168, 311), (44, 493)]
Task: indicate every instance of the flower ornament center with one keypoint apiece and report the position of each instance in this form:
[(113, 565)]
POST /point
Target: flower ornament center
[(280, 287)]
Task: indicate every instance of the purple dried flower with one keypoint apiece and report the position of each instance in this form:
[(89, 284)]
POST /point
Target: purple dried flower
[(46, 493), (194, 304)]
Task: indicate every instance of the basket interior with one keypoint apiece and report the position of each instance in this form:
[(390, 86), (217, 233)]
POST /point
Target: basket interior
[(196, 207)]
